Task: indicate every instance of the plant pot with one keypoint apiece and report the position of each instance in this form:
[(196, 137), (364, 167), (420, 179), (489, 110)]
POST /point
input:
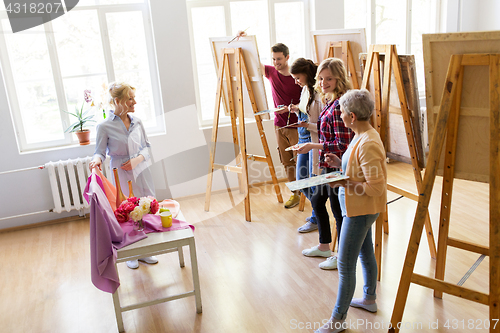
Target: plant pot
[(83, 137)]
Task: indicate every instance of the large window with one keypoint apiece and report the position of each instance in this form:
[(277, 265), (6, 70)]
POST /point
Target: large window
[(395, 22), (48, 67), (271, 21)]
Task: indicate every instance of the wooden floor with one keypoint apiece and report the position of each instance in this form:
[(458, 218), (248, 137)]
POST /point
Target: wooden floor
[(253, 275)]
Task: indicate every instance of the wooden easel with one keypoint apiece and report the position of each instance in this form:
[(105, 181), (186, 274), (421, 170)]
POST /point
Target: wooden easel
[(223, 71), (347, 58), (391, 64), (447, 126)]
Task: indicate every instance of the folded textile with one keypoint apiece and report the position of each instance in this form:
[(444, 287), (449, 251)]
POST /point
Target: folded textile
[(107, 234)]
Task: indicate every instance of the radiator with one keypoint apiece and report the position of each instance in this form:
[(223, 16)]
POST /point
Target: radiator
[(68, 180)]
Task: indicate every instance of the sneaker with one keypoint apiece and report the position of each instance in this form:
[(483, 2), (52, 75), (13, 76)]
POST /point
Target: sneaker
[(360, 303), (133, 264), (333, 326), (293, 201), (330, 263), (314, 252), (309, 226), (149, 260)]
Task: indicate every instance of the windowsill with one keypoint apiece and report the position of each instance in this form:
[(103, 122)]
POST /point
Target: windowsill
[(72, 146)]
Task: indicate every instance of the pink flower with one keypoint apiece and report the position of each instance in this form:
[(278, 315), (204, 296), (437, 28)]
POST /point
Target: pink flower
[(87, 96), (127, 206), (134, 200), (121, 216), (154, 206)]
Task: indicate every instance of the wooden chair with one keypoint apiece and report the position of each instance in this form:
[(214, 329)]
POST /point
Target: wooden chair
[(155, 244)]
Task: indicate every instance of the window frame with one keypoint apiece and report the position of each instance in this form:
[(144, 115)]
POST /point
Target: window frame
[(190, 4), (101, 10)]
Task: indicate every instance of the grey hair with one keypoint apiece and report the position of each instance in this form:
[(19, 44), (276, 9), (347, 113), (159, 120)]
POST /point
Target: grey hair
[(359, 102)]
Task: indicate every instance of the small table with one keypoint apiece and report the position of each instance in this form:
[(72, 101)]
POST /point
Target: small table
[(159, 243)]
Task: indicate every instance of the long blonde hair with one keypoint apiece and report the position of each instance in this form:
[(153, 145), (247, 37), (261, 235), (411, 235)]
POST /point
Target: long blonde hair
[(338, 71)]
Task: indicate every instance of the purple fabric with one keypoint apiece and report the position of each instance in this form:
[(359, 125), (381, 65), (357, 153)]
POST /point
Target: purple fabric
[(107, 235)]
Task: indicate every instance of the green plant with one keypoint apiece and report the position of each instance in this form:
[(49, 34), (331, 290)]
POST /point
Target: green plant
[(80, 115), (82, 119)]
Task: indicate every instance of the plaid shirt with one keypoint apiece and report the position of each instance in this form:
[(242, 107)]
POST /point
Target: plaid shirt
[(332, 132)]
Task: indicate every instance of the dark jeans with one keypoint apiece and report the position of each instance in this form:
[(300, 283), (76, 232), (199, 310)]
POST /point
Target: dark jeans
[(318, 201)]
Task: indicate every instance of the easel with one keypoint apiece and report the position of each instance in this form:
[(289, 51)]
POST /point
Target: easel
[(447, 125), (347, 58), (223, 71), (391, 63)]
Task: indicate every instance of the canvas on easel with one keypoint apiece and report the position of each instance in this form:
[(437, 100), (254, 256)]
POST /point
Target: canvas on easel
[(324, 40), (474, 112), (238, 76), (248, 46), (397, 146)]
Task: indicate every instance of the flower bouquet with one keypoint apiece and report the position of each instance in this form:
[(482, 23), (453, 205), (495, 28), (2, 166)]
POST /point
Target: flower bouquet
[(135, 208)]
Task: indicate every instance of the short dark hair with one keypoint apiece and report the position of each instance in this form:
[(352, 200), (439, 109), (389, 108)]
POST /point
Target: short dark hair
[(280, 47)]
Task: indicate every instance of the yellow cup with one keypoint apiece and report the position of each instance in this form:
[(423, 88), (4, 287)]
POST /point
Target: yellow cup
[(166, 219)]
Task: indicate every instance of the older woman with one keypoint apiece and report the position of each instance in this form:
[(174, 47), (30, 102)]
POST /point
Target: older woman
[(362, 197), (123, 138)]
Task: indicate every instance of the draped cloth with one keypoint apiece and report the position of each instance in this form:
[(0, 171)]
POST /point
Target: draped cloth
[(107, 235)]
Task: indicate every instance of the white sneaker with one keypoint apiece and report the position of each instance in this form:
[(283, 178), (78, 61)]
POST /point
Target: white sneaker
[(133, 264), (309, 226), (314, 252), (330, 263), (149, 260)]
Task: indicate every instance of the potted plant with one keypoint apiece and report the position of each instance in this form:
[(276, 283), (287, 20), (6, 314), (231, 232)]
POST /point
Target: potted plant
[(83, 118)]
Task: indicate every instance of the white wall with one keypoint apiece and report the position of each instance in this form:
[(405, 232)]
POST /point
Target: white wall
[(181, 155), (470, 15), (327, 14)]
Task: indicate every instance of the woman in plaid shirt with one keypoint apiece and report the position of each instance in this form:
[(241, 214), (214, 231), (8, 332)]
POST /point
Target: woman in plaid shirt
[(332, 82)]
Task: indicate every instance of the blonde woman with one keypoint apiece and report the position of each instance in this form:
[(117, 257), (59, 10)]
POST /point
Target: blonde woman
[(123, 138), (334, 137)]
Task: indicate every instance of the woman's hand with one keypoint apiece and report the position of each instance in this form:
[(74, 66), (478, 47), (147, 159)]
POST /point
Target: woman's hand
[(333, 160), (95, 163), (241, 33), (132, 163), (301, 124), (305, 148), (343, 182), (294, 108)]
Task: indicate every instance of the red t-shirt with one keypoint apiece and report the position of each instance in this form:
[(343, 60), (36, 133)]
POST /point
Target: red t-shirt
[(285, 92)]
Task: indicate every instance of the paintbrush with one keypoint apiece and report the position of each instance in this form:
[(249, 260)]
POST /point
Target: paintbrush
[(237, 36)]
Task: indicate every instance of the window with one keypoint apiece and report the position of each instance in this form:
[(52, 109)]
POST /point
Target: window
[(395, 22), (48, 67), (271, 21)]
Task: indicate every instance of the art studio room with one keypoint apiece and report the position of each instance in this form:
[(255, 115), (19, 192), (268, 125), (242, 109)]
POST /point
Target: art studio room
[(250, 166)]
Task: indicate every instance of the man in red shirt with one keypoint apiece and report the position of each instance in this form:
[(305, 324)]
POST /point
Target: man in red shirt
[(285, 92)]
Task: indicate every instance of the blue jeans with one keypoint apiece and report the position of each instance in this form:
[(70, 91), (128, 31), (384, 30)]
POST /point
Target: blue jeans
[(355, 239), (304, 170)]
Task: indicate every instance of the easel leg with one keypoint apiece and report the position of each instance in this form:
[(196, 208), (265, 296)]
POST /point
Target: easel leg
[(243, 143), (302, 202), (448, 176), (494, 192), (215, 129), (424, 198)]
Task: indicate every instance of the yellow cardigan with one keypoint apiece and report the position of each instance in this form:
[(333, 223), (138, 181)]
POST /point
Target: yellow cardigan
[(367, 165)]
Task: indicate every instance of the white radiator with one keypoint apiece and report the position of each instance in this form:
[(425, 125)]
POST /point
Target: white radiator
[(68, 180)]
